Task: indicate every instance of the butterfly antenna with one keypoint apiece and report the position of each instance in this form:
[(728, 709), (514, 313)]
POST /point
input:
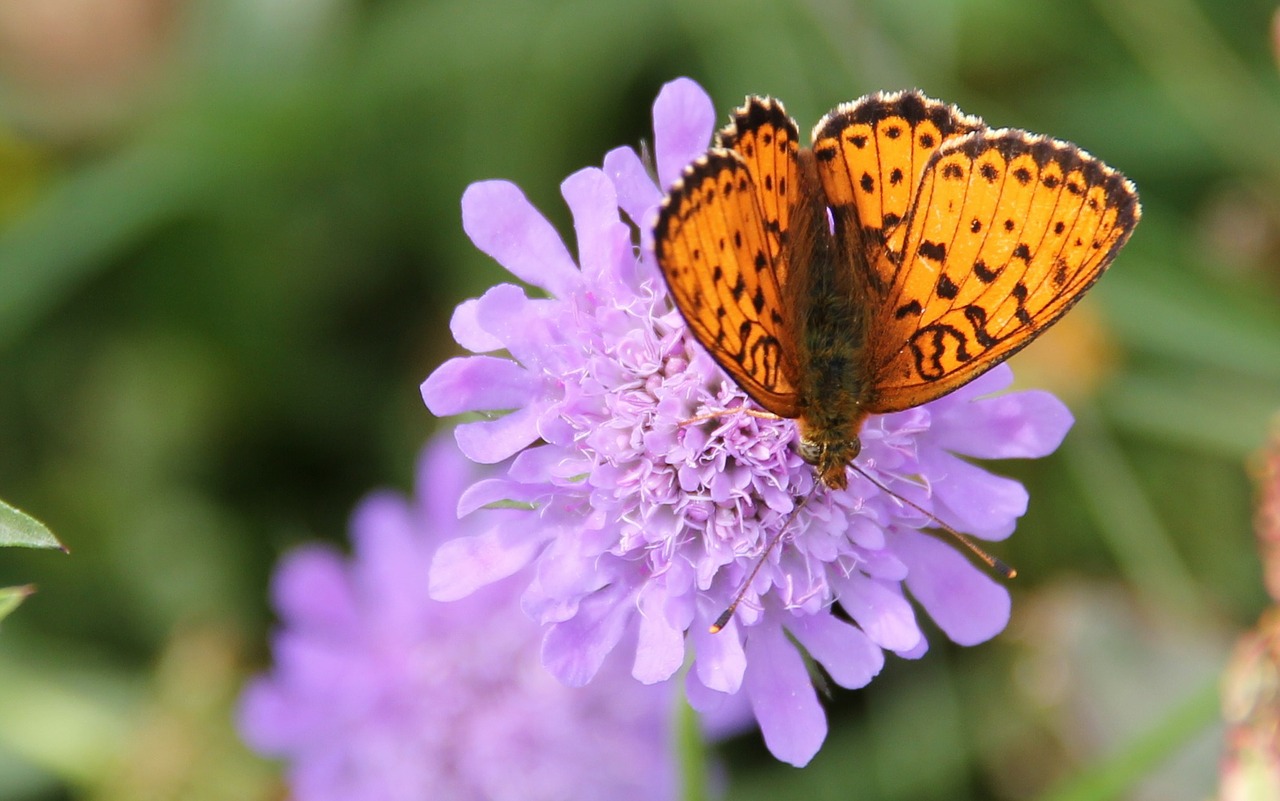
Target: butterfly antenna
[(727, 614), (996, 564)]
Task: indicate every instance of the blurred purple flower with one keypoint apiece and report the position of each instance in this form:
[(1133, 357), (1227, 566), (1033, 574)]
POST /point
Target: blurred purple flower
[(379, 692), (642, 529)]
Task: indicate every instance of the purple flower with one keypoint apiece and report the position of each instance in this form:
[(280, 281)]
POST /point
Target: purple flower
[(379, 692), (642, 529)]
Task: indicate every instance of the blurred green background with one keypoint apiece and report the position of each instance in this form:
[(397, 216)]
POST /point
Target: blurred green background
[(230, 243)]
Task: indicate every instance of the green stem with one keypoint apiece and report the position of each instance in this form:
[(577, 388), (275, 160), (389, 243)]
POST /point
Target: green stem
[(691, 752)]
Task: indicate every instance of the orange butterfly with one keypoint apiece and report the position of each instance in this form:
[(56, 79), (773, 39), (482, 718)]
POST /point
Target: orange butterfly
[(908, 252)]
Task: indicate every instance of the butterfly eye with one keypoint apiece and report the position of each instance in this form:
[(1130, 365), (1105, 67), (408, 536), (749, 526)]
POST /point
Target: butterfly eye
[(810, 451)]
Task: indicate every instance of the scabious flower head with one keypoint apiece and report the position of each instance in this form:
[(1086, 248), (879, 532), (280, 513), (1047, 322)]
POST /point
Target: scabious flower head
[(642, 527), (380, 693)]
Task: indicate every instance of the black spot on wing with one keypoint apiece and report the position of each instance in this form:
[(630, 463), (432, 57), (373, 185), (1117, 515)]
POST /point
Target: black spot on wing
[(911, 309), (937, 251), (977, 317), (932, 343), (984, 273), (946, 288)]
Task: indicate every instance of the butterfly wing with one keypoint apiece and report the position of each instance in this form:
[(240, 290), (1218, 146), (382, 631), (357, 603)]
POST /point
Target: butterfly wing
[(1006, 233), (871, 155), (722, 261), (766, 139)]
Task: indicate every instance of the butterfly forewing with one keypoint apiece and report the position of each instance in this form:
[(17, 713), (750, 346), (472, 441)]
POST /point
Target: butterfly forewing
[(1006, 233), (766, 139), (871, 155), (720, 263)]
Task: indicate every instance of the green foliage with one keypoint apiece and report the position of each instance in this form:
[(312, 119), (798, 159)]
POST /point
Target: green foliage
[(17, 528), (10, 597)]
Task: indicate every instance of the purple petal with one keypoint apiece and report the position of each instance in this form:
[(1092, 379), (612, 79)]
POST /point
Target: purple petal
[(311, 587), (495, 490), (683, 119), (880, 611), (491, 441), (636, 191), (728, 718), (1020, 425), (477, 383), (545, 463), (313, 662), (783, 698), (700, 697), (973, 500), (525, 326), (721, 660), (440, 477), (848, 655), (660, 647), (268, 719), (920, 650), (502, 223), (389, 558), (466, 329), (603, 239), (574, 649), (565, 573), (883, 565), (967, 604), (465, 564)]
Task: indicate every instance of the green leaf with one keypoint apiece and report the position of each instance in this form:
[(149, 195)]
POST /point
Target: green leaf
[(10, 597), (19, 528)]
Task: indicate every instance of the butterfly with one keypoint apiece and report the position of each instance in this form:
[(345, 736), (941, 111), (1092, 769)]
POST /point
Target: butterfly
[(904, 254)]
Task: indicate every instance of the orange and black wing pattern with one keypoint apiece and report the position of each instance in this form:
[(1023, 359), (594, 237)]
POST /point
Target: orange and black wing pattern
[(871, 155), (1005, 233), (719, 243)]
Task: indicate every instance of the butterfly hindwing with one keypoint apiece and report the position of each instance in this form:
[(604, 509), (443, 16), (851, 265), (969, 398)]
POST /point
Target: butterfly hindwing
[(1005, 234), (718, 259)]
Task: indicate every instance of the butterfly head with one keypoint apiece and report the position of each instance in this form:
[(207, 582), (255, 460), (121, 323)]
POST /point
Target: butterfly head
[(831, 458)]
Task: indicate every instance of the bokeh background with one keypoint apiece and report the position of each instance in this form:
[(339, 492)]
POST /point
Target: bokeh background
[(230, 243)]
